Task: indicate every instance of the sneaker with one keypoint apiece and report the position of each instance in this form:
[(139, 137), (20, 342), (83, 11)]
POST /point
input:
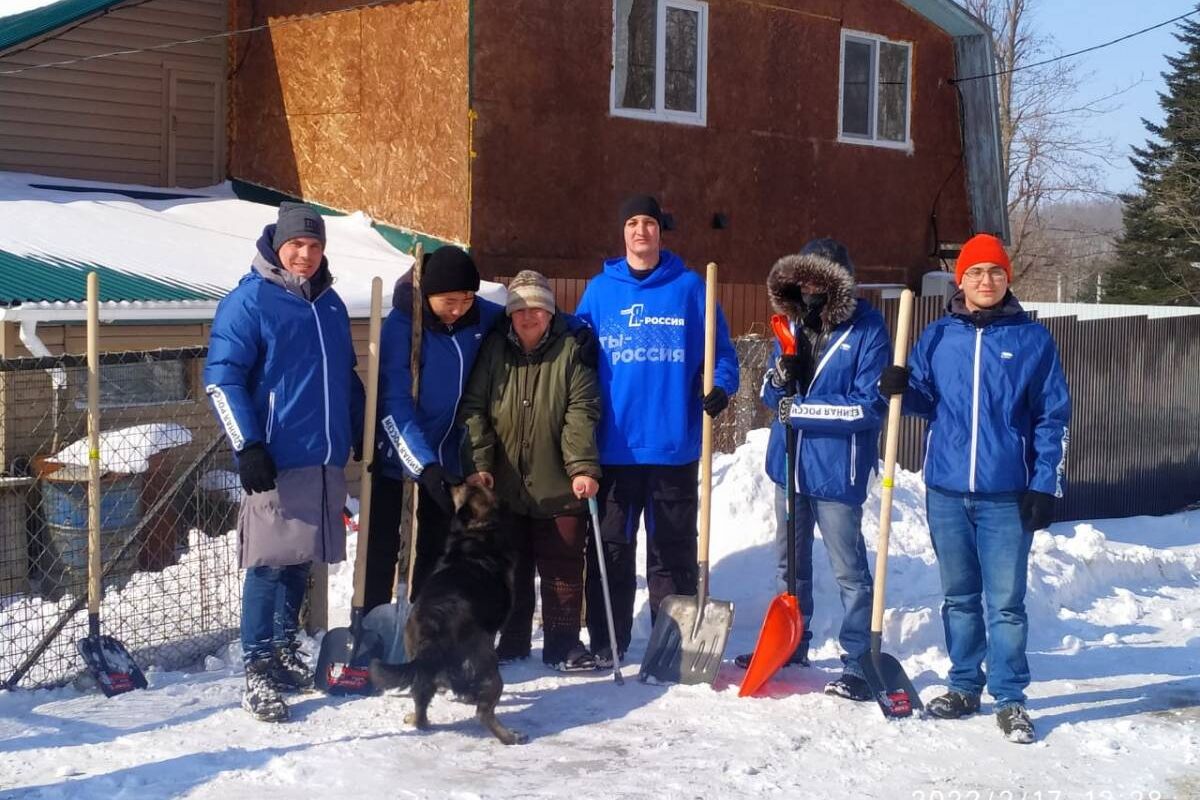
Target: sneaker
[(953, 705), (262, 698), (577, 659), (1015, 722), (604, 657), (851, 687), (290, 672), (798, 658)]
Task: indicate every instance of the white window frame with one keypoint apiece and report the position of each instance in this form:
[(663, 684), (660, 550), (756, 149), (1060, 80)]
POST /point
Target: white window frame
[(660, 112), (873, 139)]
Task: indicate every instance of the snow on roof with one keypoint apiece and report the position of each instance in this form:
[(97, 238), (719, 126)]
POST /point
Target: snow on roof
[(203, 240)]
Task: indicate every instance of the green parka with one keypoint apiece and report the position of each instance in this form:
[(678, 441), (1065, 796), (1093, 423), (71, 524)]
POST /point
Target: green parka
[(531, 420)]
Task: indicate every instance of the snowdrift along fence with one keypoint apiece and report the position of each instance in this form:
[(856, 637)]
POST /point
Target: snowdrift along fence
[(170, 498)]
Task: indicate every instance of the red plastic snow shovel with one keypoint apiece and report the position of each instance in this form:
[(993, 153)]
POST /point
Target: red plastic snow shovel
[(889, 684), (346, 653), (783, 625), (689, 635), (107, 659)]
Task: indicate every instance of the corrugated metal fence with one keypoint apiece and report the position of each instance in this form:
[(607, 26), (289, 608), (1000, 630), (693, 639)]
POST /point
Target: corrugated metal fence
[(1135, 389)]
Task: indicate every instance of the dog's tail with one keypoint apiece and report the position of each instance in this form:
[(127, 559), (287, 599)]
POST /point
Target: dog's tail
[(393, 676)]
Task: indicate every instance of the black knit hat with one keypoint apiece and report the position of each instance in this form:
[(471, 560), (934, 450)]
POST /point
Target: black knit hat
[(641, 204), (830, 250), (448, 269), (297, 220)]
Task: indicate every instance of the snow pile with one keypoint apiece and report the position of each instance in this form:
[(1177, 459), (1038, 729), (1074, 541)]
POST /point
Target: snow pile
[(224, 482), (127, 450)]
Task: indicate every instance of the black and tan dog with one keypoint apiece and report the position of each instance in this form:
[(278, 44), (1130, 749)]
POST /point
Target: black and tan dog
[(451, 630)]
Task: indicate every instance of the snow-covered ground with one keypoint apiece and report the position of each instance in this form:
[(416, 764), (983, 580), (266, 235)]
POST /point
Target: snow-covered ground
[(1114, 606)]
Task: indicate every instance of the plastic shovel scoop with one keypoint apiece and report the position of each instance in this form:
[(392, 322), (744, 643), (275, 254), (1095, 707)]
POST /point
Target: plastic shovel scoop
[(783, 625)]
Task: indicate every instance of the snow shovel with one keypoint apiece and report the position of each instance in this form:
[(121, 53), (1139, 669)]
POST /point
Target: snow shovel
[(347, 652), (107, 659), (388, 620), (891, 687), (783, 625), (608, 615), (689, 636)]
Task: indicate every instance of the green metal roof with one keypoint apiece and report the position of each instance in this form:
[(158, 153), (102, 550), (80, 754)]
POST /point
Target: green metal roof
[(33, 279), (36, 22)]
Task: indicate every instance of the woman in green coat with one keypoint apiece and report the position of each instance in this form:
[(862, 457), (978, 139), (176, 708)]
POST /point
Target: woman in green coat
[(530, 411)]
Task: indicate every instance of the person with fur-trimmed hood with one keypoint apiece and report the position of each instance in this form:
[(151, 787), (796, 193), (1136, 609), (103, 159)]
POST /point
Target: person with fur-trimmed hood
[(827, 392)]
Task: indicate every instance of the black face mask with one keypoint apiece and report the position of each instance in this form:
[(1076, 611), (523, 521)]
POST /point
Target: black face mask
[(814, 302)]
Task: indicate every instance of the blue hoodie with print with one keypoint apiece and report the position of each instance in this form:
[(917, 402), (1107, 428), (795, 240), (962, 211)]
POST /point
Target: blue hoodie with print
[(651, 368)]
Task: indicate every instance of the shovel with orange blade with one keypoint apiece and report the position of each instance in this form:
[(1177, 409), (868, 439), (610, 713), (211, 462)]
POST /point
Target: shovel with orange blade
[(783, 625)]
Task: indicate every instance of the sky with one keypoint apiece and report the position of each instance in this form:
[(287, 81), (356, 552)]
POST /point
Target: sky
[(1136, 63)]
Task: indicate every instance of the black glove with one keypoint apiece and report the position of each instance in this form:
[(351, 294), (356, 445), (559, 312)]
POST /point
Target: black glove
[(256, 469), (785, 408), (795, 369), (588, 347), (715, 402), (894, 380), (434, 481), (1037, 509)]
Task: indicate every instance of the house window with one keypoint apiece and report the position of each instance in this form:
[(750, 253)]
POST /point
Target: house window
[(140, 383), (875, 92), (660, 59)]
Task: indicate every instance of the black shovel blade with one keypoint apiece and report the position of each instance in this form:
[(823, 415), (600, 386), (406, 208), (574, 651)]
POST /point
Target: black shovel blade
[(111, 665), (682, 651), (892, 689), (343, 661)]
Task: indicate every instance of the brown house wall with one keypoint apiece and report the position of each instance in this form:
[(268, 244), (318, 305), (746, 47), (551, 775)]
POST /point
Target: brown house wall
[(362, 110), (553, 164)]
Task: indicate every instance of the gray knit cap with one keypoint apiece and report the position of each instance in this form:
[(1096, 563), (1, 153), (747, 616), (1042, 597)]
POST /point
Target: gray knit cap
[(297, 220), (529, 289)]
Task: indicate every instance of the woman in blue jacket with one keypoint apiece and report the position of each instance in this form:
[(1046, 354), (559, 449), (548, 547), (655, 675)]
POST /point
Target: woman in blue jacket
[(988, 379), (828, 393), (280, 373)]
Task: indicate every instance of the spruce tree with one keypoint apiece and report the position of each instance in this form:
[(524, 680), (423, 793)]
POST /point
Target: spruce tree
[(1159, 253)]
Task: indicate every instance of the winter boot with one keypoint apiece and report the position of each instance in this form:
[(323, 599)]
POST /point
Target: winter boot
[(577, 659), (262, 698), (953, 705), (1015, 722), (289, 670), (851, 687), (604, 657), (798, 658)]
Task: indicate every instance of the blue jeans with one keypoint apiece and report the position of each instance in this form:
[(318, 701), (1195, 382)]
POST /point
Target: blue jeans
[(983, 554), (271, 600), (841, 530)]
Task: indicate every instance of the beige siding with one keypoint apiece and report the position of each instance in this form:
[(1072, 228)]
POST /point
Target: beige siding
[(155, 118)]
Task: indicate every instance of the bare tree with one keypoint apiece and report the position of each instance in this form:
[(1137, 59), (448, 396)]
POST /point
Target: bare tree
[(1049, 152)]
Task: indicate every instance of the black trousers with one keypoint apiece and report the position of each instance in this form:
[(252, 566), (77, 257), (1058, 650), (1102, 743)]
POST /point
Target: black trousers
[(383, 545), (668, 498)]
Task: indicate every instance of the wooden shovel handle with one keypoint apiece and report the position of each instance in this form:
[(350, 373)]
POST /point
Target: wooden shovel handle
[(891, 443), (414, 366), (93, 429), (706, 435), (368, 442)]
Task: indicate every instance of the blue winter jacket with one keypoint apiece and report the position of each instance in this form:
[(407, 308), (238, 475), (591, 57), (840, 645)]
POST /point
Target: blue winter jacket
[(280, 368), (411, 438), (652, 361), (994, 393), (839, 416)]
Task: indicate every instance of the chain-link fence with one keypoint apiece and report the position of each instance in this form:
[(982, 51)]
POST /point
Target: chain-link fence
[(746, 412), (169, 500)]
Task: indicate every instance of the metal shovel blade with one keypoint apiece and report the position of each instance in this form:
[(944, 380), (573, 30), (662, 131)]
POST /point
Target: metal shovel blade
[(687, 642), (111, 665), (892, 689), (343, 661), (388, 622), (782, 629)]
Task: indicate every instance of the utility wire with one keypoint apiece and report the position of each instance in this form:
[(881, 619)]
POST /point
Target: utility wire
[(1076, 53), (223, 35)]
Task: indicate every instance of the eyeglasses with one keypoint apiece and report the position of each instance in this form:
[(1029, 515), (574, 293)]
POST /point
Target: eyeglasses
[(977, 274)]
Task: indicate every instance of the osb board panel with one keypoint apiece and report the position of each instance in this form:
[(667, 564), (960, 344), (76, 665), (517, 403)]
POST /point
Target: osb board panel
[(767, 158), (360, 110)]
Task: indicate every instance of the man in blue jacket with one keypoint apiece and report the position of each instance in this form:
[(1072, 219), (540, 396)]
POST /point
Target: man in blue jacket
[(988, 379), (280, 373), (648, 312), (827, 393)]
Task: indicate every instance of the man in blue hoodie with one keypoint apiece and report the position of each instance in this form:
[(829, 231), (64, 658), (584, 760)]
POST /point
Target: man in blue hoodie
[(648, 312), (827, 393), (988, 379), (280, 373)]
